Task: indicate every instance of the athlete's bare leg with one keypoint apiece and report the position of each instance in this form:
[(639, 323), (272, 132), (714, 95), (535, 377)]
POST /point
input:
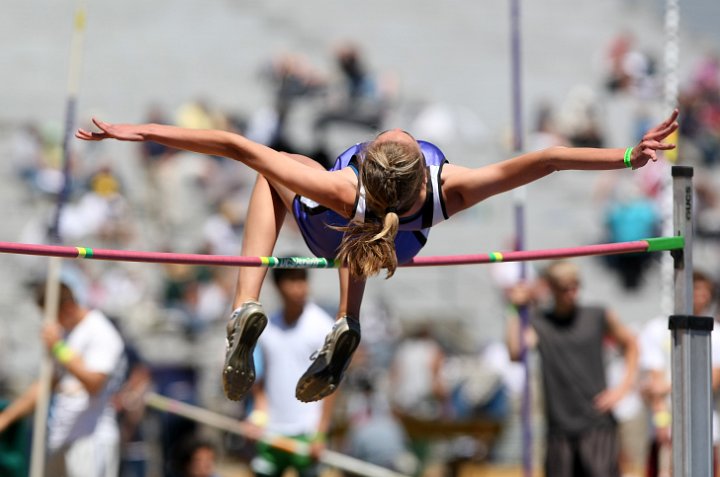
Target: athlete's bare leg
[(268, 207)]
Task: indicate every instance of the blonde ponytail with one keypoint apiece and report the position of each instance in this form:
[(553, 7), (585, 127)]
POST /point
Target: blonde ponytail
[(392, 175), (370, 246)]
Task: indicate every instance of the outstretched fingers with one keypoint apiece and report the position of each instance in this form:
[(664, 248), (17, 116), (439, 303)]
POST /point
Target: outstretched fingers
[(102, 125), (661, 134), (672, 118), (654, 141), (90, 136), (670, 121), (657, 145), (664, 129)]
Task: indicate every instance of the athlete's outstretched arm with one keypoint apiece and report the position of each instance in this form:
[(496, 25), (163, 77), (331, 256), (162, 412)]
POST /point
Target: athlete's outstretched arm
[(330, 189), (465, 187)]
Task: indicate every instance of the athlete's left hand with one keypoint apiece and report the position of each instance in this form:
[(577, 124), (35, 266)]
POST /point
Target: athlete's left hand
[(652, 142)]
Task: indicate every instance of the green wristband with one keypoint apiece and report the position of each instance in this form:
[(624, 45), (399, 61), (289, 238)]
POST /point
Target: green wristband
[(626, 158)]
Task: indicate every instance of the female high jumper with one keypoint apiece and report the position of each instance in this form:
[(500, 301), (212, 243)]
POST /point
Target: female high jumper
[(372, 210)]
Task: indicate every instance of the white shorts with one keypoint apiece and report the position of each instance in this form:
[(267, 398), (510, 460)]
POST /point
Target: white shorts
[(91, 456)]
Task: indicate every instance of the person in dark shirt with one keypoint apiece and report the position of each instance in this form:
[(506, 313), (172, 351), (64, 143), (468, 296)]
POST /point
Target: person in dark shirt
[(582, 436)]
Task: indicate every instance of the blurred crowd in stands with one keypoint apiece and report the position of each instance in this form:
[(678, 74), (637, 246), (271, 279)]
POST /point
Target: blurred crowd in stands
[(412, 399)]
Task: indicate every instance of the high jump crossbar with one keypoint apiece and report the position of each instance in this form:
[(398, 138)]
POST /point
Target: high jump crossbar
[(638, 246), (287, 444)]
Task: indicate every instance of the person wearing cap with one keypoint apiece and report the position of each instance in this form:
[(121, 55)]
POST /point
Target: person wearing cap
[(88, 354)]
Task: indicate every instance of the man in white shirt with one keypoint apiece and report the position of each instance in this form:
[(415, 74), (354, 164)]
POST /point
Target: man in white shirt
[(655, 362), (293, 334), (83, 436)]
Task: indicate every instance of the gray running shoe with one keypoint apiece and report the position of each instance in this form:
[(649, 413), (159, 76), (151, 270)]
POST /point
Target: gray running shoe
[(243, 330), (329, 363)]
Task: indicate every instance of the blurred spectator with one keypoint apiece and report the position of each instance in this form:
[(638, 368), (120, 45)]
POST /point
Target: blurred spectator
[(195, 297), (207, 301), (629, 69), (88, 353), (707, 74), (477, 387), (417, 387), (214, 296), (179, 196), (198, 114), (26, 153), (102, 212), (179, 280), (168, 431), (14, 446), (618, 78), (36, 156), (222, 230), (117, 288), (293, 333), (655, 366), (700, 103), (204, 175), (707, 206), (630, 216), (546, 133), (440, 122), (375, 434), (358, 83), (362, 100), (293, 78), (582, 436), (129, 403), (578, 119), (154, 157), (194, 457)]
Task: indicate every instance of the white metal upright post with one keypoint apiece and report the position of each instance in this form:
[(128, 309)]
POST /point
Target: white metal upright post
[(691, 380)]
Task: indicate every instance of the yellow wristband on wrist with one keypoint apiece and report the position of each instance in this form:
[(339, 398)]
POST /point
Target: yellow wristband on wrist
[(62, 352), (259, 418), (662, 419)]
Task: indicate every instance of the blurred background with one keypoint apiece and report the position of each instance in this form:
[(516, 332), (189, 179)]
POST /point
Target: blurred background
[(314, 77)]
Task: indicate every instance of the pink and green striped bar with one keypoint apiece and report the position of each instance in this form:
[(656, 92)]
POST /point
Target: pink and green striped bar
[(656, 244)]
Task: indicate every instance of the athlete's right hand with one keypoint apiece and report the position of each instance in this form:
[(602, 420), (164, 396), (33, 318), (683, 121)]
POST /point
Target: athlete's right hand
[(121, 132)]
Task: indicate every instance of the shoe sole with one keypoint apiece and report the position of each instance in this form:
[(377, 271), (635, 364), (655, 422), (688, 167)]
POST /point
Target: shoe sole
[(316, 384), (239, 370)]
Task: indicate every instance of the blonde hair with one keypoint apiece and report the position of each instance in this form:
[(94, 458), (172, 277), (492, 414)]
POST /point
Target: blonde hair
[(393, 176), (562, 272)]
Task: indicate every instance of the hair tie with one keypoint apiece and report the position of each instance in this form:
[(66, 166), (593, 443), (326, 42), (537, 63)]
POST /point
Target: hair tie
[(390, 209)]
